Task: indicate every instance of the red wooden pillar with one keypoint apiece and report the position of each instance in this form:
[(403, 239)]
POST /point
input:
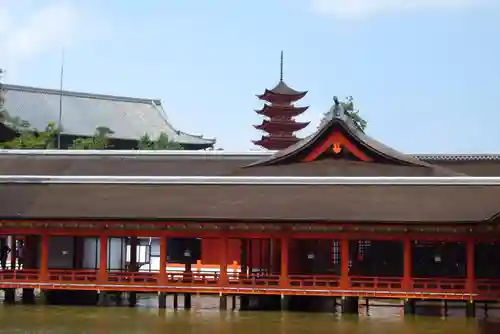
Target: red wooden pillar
[(407, 264), (163, 259), (223, 260), (471, 277), (284, 260), (103, 258), (344, 263), (13, 252), (44, 257)]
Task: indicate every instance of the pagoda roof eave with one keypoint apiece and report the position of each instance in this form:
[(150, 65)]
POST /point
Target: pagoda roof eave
[(286, 110), (276, 143), (282, 90), (269, 95), (283, 108), (285, 123), (289, 126)]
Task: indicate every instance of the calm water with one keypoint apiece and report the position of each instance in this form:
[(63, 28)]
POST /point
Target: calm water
[(204, 318)]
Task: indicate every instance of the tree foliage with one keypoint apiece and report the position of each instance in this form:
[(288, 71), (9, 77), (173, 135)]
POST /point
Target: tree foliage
[(353, 112), (31, 139), (99, 141), (161, 143)]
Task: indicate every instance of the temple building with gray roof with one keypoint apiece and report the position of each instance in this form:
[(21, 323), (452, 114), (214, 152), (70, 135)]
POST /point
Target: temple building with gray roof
[(82, 113)]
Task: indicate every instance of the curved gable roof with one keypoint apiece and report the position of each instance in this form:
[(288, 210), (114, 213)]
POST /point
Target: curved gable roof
[(381, 154)]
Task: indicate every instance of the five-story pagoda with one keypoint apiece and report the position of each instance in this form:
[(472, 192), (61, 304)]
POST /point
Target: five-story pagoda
[(280, 113)]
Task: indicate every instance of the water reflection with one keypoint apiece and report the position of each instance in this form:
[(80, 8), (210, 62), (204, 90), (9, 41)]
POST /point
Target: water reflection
[(205, 318)]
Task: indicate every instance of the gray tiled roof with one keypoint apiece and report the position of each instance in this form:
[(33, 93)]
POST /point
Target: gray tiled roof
[(128, 118), (457, 157)]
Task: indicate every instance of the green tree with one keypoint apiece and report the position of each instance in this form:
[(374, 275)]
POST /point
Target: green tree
[(145, 143), (31, 139), (353, 112), (99, 141), (161, 143)]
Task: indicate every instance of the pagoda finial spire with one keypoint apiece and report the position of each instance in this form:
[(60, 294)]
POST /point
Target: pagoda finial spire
[(281, 66)]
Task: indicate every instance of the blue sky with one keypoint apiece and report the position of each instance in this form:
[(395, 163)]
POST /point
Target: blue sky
[(425, 74)]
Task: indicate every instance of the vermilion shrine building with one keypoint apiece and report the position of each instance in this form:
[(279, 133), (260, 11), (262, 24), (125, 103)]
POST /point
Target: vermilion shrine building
[(335, 214)]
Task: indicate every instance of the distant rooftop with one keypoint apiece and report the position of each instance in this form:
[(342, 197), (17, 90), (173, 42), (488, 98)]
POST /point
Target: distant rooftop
[(129, 118)]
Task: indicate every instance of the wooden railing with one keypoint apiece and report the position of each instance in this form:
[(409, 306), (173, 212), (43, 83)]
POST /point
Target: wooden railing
[(375, 283), (331, 283), (489, 286), (314, 281), (457, 285)]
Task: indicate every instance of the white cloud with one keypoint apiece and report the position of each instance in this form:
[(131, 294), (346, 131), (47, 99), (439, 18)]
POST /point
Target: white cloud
[(38, 32), (356, 9), (29, 29)]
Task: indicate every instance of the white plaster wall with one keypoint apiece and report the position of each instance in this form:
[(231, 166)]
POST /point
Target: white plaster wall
[(155, 246), (90, 253), (116, 253), (119, 253)]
